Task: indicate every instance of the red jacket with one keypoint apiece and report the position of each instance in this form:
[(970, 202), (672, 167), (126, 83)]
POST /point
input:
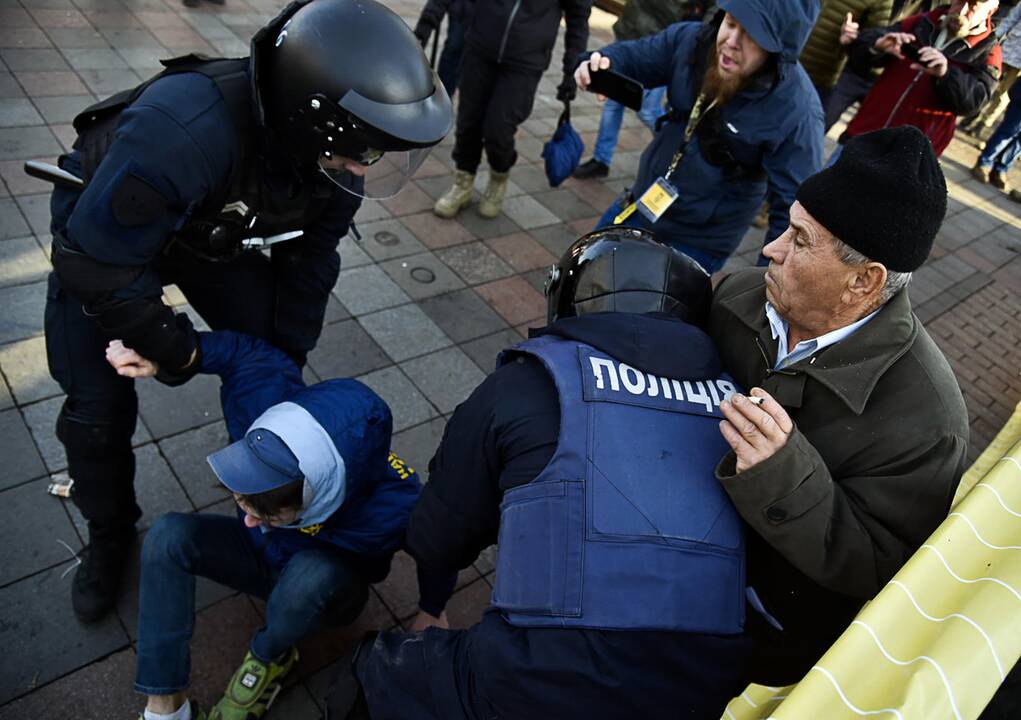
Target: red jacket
[(902, 96)]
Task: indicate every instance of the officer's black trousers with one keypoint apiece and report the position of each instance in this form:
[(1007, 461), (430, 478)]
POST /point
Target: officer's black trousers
[(99, 414), (495, 99)]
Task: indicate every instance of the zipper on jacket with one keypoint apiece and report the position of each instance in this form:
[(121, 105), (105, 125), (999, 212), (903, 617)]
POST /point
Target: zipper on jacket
[(506, 31)]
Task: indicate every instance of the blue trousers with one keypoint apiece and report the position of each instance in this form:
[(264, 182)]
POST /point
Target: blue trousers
[(1004, 146), (314, 585), (613, 116)]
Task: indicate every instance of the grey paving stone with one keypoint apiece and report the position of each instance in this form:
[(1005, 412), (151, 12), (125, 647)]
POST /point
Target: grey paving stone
[(371, 210), (475, 263), (22, 261), (537, 278), (33, 521), (42, 419), (528, 213), (485, 228), (94, 59), (41, 632), (18, 112), (24, 365), (20, 457), (296, 703), (12, 223), (143, 60), (65, 38), (127, 39), (107, 82), (417, 445), (367, 289), (9, 87), (168, 411), (346, 350), (484, 350), (422, 275), (156, 490), (36, 209), (335, 312), (566, 205), (388, 239), (23, 38), (6, 400), (23, 311), (351, 254), (61, 108), (434, 187), (446, 377), (408, 406), (555, 238), (187, 455), (25, 143), (462, 315), (404, 332)]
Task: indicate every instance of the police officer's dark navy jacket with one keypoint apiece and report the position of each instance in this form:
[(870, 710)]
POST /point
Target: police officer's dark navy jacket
[(770, 135), (380, 488), (181, 168), (635, 532), (503, 439)]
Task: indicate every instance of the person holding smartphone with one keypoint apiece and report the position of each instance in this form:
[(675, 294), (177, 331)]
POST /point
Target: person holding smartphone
[(937, 66), (745, 125)]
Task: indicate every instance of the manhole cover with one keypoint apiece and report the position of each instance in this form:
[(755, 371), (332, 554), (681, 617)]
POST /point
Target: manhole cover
[(383, 237), (423, 275)]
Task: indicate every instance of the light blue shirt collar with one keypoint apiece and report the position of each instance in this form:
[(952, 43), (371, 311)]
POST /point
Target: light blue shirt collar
[(806, 348)]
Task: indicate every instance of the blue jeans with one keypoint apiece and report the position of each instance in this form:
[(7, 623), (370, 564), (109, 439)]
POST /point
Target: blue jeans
[(613, 115), (313, 585), (711, 263), (1004, 146)]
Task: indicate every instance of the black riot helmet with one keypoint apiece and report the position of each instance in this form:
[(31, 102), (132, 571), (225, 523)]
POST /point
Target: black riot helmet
[(348, 79), (626, 269)]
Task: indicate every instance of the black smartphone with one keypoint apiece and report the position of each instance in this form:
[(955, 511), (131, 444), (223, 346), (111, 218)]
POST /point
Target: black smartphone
[(910, 51), (626, 91)]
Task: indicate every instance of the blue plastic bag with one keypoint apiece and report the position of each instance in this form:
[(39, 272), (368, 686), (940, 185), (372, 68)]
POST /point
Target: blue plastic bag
[(562, 152)]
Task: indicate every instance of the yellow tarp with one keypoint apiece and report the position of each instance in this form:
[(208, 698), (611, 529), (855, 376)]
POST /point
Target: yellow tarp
[(938, 640)]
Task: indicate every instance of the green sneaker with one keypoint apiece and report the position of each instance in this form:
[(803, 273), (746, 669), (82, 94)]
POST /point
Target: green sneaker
[(253, 688)]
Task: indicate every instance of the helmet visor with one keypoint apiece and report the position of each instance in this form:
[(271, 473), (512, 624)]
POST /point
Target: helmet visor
[(384, 176)]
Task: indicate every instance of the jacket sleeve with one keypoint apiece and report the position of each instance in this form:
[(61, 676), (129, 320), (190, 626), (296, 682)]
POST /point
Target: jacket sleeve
[(306, 270), (576, 14), (863, 56), (966, 88), (845, 533), (139, 194), (794, 160), (650, 60), (254, 375)]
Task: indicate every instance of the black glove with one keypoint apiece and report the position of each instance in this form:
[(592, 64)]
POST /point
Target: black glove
[(567, 90), (180, 376)]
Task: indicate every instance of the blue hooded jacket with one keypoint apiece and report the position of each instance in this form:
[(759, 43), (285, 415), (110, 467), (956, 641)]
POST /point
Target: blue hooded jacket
[(381, 490), (773, 127)]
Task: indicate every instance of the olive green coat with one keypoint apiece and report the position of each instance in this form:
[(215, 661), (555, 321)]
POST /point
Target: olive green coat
[(878, 448), (823, 56), (647, 17)]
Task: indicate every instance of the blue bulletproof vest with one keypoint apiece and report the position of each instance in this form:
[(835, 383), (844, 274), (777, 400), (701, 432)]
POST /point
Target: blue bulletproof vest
[(627, 527)]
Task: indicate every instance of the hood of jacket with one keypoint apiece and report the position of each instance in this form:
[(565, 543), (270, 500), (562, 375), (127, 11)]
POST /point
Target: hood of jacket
[(651, 342), (780, 27)]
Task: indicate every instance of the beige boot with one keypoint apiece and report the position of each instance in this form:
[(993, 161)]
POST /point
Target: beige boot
[(457, 197), (492, 199)]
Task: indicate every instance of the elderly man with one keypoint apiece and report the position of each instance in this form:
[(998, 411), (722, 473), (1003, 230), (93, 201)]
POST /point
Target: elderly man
[(855, 451)]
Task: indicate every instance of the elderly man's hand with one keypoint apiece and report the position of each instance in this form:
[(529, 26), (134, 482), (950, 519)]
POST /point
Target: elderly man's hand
[(931, 61), (849, 30), (424, 620), (755, 432), (129, 363), (891, 43), (583, 75)]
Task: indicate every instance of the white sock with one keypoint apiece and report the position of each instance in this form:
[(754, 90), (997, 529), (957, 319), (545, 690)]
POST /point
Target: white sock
[(182, 713)]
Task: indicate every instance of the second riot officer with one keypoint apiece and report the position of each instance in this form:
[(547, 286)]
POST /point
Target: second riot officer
[(189, 179)]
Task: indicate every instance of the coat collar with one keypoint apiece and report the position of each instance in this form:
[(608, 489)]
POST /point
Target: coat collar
[(851, 368)]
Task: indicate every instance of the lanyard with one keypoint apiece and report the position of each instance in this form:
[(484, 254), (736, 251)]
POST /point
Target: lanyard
[(697, 113)]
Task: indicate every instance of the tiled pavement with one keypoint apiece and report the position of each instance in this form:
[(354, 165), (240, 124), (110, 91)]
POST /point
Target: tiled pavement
[(421, 308)]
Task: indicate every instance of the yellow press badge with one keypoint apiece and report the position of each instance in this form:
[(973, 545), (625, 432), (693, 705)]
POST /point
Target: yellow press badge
[(655, 201)]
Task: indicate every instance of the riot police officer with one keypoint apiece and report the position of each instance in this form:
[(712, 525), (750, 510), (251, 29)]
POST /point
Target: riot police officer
[(589, 455), (185, 179)]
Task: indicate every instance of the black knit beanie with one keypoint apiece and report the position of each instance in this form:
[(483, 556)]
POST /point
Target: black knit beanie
[(885, 196)]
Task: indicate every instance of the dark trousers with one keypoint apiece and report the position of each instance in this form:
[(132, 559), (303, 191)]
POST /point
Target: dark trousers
[(99, 414), (850, 88), (313, 586), (495, 99), (449, 65)]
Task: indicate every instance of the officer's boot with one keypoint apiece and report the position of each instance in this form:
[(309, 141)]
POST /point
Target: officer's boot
[(102, 465), (492, 198), (457, 197)]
